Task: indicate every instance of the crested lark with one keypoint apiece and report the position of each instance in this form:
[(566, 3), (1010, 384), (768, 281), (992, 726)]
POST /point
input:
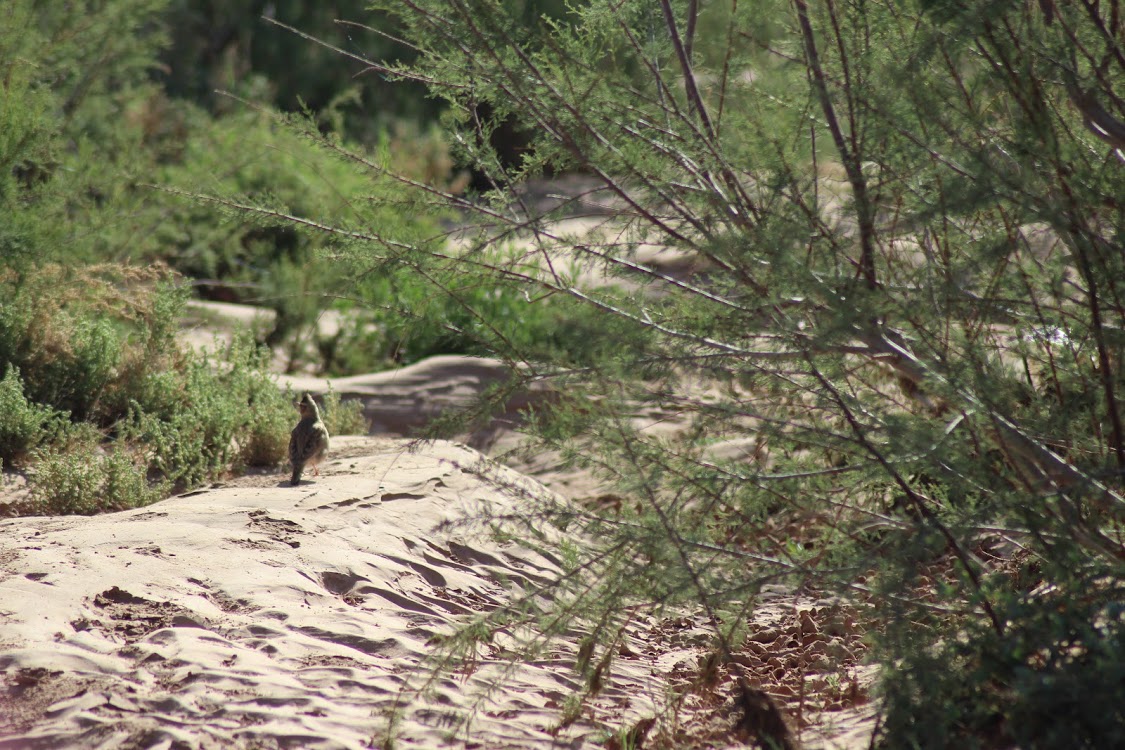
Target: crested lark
[(309, 441)]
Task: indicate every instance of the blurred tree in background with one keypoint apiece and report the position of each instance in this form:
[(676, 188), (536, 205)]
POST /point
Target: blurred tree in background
[(231, 46), (102, 145)]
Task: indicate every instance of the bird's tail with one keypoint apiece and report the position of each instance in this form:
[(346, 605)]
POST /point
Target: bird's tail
[(296, 477)]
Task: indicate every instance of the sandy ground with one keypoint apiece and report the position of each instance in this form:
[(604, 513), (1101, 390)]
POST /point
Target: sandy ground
[(261, 615), (252, 614)]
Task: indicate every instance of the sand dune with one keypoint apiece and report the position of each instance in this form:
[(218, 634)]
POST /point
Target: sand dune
[(252, 614), (260, 615)]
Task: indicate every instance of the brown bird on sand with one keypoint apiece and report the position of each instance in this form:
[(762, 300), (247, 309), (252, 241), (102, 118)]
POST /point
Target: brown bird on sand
[(308, 443)]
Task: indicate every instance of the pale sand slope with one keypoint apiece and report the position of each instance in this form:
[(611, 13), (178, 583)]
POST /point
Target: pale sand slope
[(262, 615)]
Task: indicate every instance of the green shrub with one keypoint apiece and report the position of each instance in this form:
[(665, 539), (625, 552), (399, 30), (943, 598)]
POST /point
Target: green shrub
[(81, 335), (98, 344), (76, 377), (264, 440), (241, 374), (343, 417), (1052, 681), (82, 479), (406, 318), (24, 425), (67, 483), (228, 412), (190, 446)]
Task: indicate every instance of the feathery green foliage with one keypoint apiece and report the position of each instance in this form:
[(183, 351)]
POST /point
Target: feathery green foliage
[(897, 335)]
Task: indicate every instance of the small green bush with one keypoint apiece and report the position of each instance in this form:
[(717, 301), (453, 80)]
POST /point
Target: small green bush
[(343, 417), (75, 380), (90, 353), (228, 413), (264, 441), (24, 425), (190, 446), (1052, 681), (81, 336), (266, 414), (67, 483), (403, 318), (83, 480)]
